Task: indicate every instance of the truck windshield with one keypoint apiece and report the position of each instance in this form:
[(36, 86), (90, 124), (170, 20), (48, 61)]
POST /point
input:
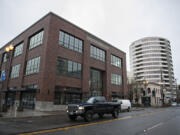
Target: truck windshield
[(91, 100)]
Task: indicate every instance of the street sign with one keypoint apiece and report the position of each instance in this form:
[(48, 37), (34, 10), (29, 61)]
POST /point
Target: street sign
[(3, 76)]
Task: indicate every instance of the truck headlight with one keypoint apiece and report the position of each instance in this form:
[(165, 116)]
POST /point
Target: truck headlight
[(81, 108)]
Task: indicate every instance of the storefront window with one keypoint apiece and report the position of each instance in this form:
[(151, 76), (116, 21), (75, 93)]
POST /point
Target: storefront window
[(67, 95)]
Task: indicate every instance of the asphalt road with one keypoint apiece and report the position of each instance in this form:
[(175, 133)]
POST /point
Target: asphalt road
[(151, 121)]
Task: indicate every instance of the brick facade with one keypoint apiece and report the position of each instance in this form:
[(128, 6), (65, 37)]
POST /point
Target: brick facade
[(46, 79)]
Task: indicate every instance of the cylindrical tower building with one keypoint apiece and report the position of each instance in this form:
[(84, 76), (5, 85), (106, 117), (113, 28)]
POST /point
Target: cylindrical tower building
[(151, 60)]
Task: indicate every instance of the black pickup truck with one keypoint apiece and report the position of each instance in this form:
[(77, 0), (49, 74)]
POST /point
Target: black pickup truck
[(94, 105)]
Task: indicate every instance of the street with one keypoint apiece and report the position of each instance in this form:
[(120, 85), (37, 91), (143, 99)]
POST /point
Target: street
[(150, 121)]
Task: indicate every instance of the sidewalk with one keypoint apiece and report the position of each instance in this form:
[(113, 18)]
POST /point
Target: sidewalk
[(33, 113), (137, 108), (12, 113)]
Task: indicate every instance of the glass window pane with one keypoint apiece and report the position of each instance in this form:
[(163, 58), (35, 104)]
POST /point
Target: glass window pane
[(116, 61), (71, 45), (69, 41), (70, 66), (97, 53), (74, 66), (36, 40), (80, 46), (76, 44), (61, 38), (66, 40), (67, 67), (33, 66)]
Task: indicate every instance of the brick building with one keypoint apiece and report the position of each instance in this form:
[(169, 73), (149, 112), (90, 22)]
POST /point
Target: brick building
[(55, 63)]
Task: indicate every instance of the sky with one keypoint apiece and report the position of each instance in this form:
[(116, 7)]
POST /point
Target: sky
[(119, 22)]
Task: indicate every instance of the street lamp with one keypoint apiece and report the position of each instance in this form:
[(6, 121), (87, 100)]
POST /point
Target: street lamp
[(162, 92), (177, 96), (145, 85), (146, 99), (8, 49)]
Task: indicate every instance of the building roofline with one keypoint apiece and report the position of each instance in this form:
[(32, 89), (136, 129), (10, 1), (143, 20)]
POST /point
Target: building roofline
[(87, 32), (155, 37), (51, 13), (25, 30)]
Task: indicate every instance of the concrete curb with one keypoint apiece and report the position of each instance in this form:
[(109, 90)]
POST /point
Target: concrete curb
[(137, 109), (60, 113), (46, 115)]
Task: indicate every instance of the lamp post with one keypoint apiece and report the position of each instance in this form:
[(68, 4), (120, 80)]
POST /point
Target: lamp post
[(145, 85), (162, 92), (177, 96), (8, 49), (146, 100)]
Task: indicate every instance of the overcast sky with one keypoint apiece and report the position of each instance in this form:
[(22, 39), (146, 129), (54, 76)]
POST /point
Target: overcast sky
[(119, 22)]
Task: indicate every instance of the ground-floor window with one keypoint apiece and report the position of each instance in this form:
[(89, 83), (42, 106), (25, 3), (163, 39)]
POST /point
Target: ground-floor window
[(11, 96), (95, 93), (28, 99), (67, 95)]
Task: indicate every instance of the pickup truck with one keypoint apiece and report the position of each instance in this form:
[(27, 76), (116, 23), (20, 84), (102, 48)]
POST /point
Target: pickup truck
[(94, 105)]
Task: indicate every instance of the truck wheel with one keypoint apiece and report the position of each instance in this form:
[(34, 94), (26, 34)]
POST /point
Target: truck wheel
[(115, 113), (101, 115), (88, 116), (128, 109), (120, 110), (72, 117)]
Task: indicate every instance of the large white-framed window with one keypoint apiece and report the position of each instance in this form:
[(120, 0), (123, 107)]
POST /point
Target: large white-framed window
[(116, 61), (15, 71), (18, 49), (97, 53), (33, 66), (36, 40), (4, 57), (116, 79), (69, 41)]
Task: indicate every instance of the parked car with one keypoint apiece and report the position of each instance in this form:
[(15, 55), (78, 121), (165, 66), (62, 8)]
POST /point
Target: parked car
[(174, 104), (125, 104), (94, 105)]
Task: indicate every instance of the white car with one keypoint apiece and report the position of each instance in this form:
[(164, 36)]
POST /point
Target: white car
[(173, 104), (125, 104)]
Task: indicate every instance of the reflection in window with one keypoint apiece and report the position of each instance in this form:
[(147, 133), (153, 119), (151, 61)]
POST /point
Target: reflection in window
[(67, 95), (33, 66), (5, 57), (96, 79), (116, 79), (116, 61), (68, 67), (97, 53), (15, 71), (70, 42), (36, 40), (18, 50)]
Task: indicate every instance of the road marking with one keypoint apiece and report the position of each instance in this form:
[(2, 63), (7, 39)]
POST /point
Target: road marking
[(88, 124), (155, 126)]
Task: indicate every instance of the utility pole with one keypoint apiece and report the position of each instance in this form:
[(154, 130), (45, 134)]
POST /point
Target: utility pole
[(4, 77), (161, 85), (177, 93)]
